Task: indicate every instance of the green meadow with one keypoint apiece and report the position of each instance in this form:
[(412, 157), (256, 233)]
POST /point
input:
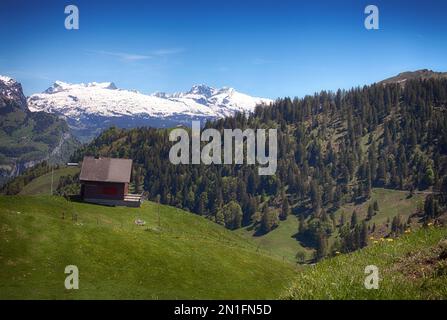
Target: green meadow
[(175, 255)]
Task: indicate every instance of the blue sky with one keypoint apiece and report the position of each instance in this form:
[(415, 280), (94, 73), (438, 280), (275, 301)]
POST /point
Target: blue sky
[(264, 48)]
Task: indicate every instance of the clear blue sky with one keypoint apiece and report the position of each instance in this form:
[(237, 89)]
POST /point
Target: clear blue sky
[(264, 48)]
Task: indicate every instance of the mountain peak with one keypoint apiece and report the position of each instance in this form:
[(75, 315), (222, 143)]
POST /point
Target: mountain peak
[(59, 86), (6, 79), (412, 75), (90, 107), (159, 94), (103, 85), (202, 89), (11, 90)]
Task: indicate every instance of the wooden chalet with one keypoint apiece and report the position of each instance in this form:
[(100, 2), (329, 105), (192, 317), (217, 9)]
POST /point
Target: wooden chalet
[(106, 181)]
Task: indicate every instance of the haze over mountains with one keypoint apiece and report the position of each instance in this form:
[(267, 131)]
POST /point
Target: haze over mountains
[(92, 107)]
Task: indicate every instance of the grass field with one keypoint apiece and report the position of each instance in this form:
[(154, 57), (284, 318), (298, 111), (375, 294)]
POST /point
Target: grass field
[(42, 185), (391, 203), (409, 268), (280, 241), (180, 256)]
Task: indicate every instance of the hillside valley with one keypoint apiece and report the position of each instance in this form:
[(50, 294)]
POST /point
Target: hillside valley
[(334, 150), (27, 138), (361, 179)]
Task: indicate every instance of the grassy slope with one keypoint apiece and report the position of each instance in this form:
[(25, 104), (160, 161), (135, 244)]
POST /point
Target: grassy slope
[(391, 203), (281, 240), (42, 184), (189, 258), (408, 269)]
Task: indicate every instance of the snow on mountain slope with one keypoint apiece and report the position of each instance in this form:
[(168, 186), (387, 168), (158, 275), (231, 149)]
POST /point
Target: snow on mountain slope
[(89, 108), (11, 90), (104, 99), (223, 102)]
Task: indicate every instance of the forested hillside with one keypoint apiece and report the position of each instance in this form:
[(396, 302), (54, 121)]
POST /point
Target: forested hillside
[(333, 148)]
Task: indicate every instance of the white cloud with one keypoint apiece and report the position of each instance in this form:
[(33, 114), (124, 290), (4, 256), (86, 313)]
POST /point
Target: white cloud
[(126, 56), (167, 51), (122, 55)]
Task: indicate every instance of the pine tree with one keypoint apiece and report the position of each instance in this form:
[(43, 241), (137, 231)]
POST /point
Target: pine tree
[(370, 212), (354, 219), (321, 249), (375, 205), (285, 209), (364, 235)]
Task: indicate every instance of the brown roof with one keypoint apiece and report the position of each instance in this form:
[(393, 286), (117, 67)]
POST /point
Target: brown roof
[(106, 169)]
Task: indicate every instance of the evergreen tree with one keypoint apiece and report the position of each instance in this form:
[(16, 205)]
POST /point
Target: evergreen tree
[(321, 249), (370, 213), (285, 209), (375, 205), (354, 219)]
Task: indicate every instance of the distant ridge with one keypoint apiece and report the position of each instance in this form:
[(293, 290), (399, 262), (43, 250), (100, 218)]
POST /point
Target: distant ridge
[(412, 75), (92, 107)]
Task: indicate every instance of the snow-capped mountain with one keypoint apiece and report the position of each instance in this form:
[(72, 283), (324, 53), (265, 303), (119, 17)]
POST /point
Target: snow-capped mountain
[(222, 102), (89, 108), (11, 90)]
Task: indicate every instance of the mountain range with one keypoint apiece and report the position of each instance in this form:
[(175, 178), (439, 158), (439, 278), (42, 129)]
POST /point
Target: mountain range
[(345, 159), (33, 129), (351, 165), (90, 108)]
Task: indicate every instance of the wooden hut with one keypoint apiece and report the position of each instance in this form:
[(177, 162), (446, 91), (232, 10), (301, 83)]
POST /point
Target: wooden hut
[(106, 181)]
